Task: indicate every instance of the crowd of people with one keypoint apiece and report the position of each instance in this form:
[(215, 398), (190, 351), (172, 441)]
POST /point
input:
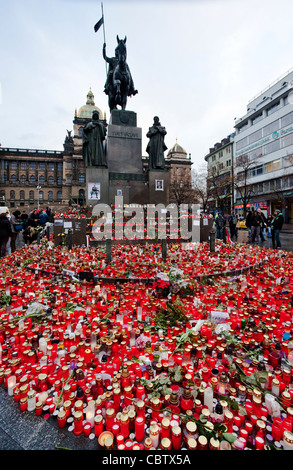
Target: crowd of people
[(11, 226), (259, 226)]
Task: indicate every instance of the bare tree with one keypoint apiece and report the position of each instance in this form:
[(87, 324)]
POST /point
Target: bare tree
[(243, 167), (180, 189), (200, 187), (220, 187)]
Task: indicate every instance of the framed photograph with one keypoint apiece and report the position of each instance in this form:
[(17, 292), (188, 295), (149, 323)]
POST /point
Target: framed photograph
[(119, 192), (159, 185), (94, 191)]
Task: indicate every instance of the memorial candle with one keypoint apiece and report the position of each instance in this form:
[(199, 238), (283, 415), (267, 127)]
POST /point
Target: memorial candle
[(139, 429)]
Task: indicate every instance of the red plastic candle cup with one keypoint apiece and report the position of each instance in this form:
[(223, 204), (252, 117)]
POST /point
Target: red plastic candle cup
[(115, 429), (139, 429), (78, 422), (259, 443), (61, 418), (98, 424), (237, 421), (120, 439), (248, 427), (87, 429)]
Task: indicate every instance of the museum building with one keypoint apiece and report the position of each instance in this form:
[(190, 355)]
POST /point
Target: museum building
[(32, 178)]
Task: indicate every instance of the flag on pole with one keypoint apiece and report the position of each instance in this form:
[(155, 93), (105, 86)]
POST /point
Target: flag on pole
[(99, 24)]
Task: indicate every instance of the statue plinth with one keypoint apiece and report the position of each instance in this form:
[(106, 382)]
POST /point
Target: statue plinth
[(124, 140)]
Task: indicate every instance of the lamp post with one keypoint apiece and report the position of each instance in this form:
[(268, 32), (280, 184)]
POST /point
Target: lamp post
[(38, 188)]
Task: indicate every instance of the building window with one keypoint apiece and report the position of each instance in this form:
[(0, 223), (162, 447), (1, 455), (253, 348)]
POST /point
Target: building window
[(41, 179), (21, 194), (59, 166), (31, 195), (255, 136), (270, 128), (33, 179), (41, 194), (51, 166), (50, 195), (12, 194), (81, 178), (51, 180), (59, 195), (68, 165), (13, 165), (257, 118), (42, 165), (13, 178), (273, 108), (23, 165), (68, 179), (23, 179), (33, 165), (59, 180)]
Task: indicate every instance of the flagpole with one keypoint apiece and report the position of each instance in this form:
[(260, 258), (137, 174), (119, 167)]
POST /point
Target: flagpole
[(104, 33)]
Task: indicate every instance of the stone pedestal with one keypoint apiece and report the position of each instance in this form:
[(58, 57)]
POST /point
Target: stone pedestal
[(124, 143), (97, 185)]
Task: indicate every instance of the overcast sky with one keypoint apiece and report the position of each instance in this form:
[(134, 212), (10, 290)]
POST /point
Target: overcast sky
[(196, 64)]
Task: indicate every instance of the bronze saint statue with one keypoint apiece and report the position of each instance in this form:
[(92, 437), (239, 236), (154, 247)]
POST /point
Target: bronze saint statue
[(156, 145), (94, 134), (119, 84)]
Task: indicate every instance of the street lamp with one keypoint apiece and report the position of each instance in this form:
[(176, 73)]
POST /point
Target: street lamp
[(38, 188)]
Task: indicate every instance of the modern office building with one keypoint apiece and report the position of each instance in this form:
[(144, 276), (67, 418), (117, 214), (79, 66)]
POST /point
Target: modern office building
[(263, 151)]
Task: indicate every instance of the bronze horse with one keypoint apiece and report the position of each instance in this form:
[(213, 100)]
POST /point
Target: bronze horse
[(120, 83)]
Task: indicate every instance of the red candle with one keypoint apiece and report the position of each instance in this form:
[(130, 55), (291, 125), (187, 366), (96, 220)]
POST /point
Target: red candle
[(139, 429), (176, 437), (87, 429), (98, 424), (78, 424), (124, 425), (61, 419), (259, 443)]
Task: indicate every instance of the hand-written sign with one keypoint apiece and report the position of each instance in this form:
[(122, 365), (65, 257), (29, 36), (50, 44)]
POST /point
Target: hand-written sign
[(219, 316)]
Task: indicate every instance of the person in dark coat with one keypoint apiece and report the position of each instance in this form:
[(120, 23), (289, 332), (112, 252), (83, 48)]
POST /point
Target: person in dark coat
[(5, 233), (276, 226)]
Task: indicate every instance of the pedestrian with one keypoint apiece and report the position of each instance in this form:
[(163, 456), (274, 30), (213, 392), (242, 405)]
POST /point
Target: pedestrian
[(24, 217), (256, 221), (43, 218), (269, 221), (248, 224), (5, 233), (276, 226), (220, 222), (33, 219), (16, 226), (262, 225), (232, 219)]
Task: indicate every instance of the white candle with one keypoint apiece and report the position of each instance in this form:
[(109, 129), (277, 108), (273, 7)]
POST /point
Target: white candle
[(43, 345), (90, 413), (11, 382), (208, 398)]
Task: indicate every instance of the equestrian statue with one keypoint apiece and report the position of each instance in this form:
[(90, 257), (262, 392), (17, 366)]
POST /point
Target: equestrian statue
[(119, 84)]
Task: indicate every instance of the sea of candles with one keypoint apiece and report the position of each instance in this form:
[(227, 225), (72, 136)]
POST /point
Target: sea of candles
[(100, 357)]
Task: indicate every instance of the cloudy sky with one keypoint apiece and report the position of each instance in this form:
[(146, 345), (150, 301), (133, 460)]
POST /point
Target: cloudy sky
[(196, 64)]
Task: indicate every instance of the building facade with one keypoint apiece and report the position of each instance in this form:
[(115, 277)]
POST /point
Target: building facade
[(263, 151), (220, 176), (31, 178)]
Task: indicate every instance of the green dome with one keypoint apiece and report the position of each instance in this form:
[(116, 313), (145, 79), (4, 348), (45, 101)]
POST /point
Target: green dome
[(177, 150), (86, 111)]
